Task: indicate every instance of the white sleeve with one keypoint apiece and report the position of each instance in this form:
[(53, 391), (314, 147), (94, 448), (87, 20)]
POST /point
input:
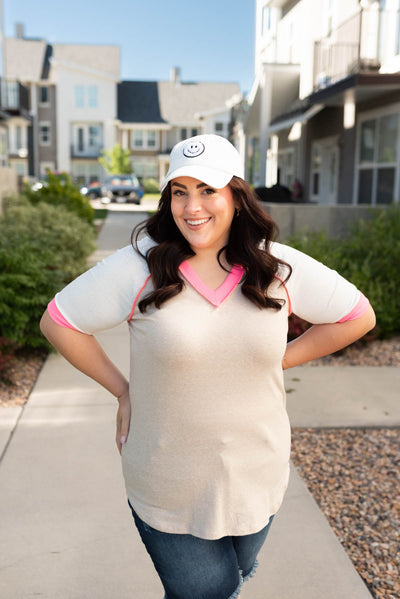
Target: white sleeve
[(102, 297), (317, 293)]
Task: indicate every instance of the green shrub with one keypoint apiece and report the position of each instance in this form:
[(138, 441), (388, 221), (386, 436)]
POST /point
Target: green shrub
[(42, 248), (150, 186), (59, 191), (369, 257)]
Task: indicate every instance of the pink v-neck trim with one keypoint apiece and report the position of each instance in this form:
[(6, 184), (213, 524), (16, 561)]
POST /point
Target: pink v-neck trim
[(215, 296)]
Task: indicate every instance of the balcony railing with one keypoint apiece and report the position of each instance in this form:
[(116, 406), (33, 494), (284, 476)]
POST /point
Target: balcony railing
[(13, 95), (93, 151), (363, 42)]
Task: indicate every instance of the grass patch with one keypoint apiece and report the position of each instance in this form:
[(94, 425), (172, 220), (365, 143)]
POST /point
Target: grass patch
[(151, 197)]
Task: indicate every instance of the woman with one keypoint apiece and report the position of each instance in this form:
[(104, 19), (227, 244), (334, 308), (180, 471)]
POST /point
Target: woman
[(201, 425)]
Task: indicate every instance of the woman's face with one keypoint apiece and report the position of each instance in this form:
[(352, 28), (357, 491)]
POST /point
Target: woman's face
[(202, 213)]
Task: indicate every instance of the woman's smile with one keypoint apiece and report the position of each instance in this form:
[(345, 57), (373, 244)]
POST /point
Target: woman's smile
[(202, 213), (197, 222)]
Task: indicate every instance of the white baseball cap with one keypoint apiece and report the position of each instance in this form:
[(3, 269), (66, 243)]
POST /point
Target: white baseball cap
[(211, 159)]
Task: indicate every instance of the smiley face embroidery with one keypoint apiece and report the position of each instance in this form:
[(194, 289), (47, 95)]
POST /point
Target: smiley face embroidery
[(193, 148)]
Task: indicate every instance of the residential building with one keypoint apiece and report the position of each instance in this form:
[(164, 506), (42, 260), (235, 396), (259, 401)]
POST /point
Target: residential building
[(154, 115), (67, 103), (325, 104)]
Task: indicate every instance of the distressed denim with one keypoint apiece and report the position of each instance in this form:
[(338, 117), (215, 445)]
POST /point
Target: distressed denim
[(194, 568)]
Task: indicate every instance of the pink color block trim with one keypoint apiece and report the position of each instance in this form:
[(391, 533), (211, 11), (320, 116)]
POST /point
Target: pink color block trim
[(57, 317), (359, 309), (287, 293), (137, 297), (215, 296)]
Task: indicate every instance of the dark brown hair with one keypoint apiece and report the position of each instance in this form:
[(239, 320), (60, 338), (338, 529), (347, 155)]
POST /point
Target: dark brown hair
[(250, 235)]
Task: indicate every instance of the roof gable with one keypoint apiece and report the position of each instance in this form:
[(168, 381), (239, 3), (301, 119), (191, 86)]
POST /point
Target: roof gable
[(138, 102), (181, 101), (169, 102), (25, 59)]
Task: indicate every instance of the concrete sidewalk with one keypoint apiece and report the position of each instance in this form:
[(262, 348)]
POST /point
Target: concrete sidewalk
[(66, 530)]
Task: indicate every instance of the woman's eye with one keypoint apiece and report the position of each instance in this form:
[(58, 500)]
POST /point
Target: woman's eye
[(209, 191)]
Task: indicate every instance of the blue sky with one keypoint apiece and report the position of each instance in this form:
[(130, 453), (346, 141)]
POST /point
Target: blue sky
[(211, 40)]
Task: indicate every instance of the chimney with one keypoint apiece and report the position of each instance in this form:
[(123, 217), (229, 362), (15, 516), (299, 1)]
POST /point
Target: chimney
[(176, 75), (19, 31)]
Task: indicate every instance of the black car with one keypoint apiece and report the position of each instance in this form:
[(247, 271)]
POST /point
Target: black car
[(122, 188)]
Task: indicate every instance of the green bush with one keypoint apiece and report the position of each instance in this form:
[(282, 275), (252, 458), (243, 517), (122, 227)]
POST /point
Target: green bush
[(369, 257), (59, 191), (150, 186), (42, 248)]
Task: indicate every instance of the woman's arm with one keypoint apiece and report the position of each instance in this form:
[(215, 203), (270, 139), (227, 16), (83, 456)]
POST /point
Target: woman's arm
[(324, 339), (86, 354)]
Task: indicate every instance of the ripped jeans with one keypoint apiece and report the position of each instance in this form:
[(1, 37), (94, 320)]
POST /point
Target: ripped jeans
[(194, 568)]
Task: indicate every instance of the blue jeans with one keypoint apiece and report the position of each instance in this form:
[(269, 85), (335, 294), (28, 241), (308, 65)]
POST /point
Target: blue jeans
[(194, 568)]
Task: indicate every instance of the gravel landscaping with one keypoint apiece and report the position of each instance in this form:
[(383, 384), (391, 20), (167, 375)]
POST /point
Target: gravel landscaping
[(354, 474)]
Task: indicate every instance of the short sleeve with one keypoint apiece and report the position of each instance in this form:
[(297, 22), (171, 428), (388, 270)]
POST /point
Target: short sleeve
[(102, 297), (317, 293)]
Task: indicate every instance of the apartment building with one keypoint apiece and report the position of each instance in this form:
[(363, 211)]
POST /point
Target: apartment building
[(325, 104), (154, 115), (64, 103)]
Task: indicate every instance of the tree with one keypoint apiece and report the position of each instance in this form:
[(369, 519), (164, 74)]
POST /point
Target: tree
[(116, 161)]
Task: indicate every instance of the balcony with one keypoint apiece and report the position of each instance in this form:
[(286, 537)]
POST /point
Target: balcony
[(362, 43), (90, 152), (14, 97)]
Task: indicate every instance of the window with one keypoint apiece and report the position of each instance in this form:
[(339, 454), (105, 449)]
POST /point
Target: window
[(151, 139), (286, 166), (81, 139), (147, 140), (12, 94), (79, 96), (265, 20), (388, 138), (138, 138), (194, 132), (21, 168), (92, 96), (184, 134), (94, 135), (145, 168), (329, 17), (3, 148), (44, 134), (44, 97), (378, 168), (367, 141), (219, 127), (18, 137), (316, 169)]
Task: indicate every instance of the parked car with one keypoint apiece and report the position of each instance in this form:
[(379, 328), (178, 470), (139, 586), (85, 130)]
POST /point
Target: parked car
[(122, 188), (93, 190)]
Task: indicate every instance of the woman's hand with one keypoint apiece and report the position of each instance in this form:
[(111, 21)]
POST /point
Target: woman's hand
[(123, 419)]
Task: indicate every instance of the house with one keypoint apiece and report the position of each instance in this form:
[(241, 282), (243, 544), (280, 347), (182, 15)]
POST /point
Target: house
[(65, 103), (69, 102), (325, 105), (154, 115)]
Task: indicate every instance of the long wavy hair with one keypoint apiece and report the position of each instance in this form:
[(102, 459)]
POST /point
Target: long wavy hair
[(250, 235)]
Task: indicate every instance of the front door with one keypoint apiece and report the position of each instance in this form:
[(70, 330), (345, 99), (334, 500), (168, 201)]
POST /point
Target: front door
[(324, 172)]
